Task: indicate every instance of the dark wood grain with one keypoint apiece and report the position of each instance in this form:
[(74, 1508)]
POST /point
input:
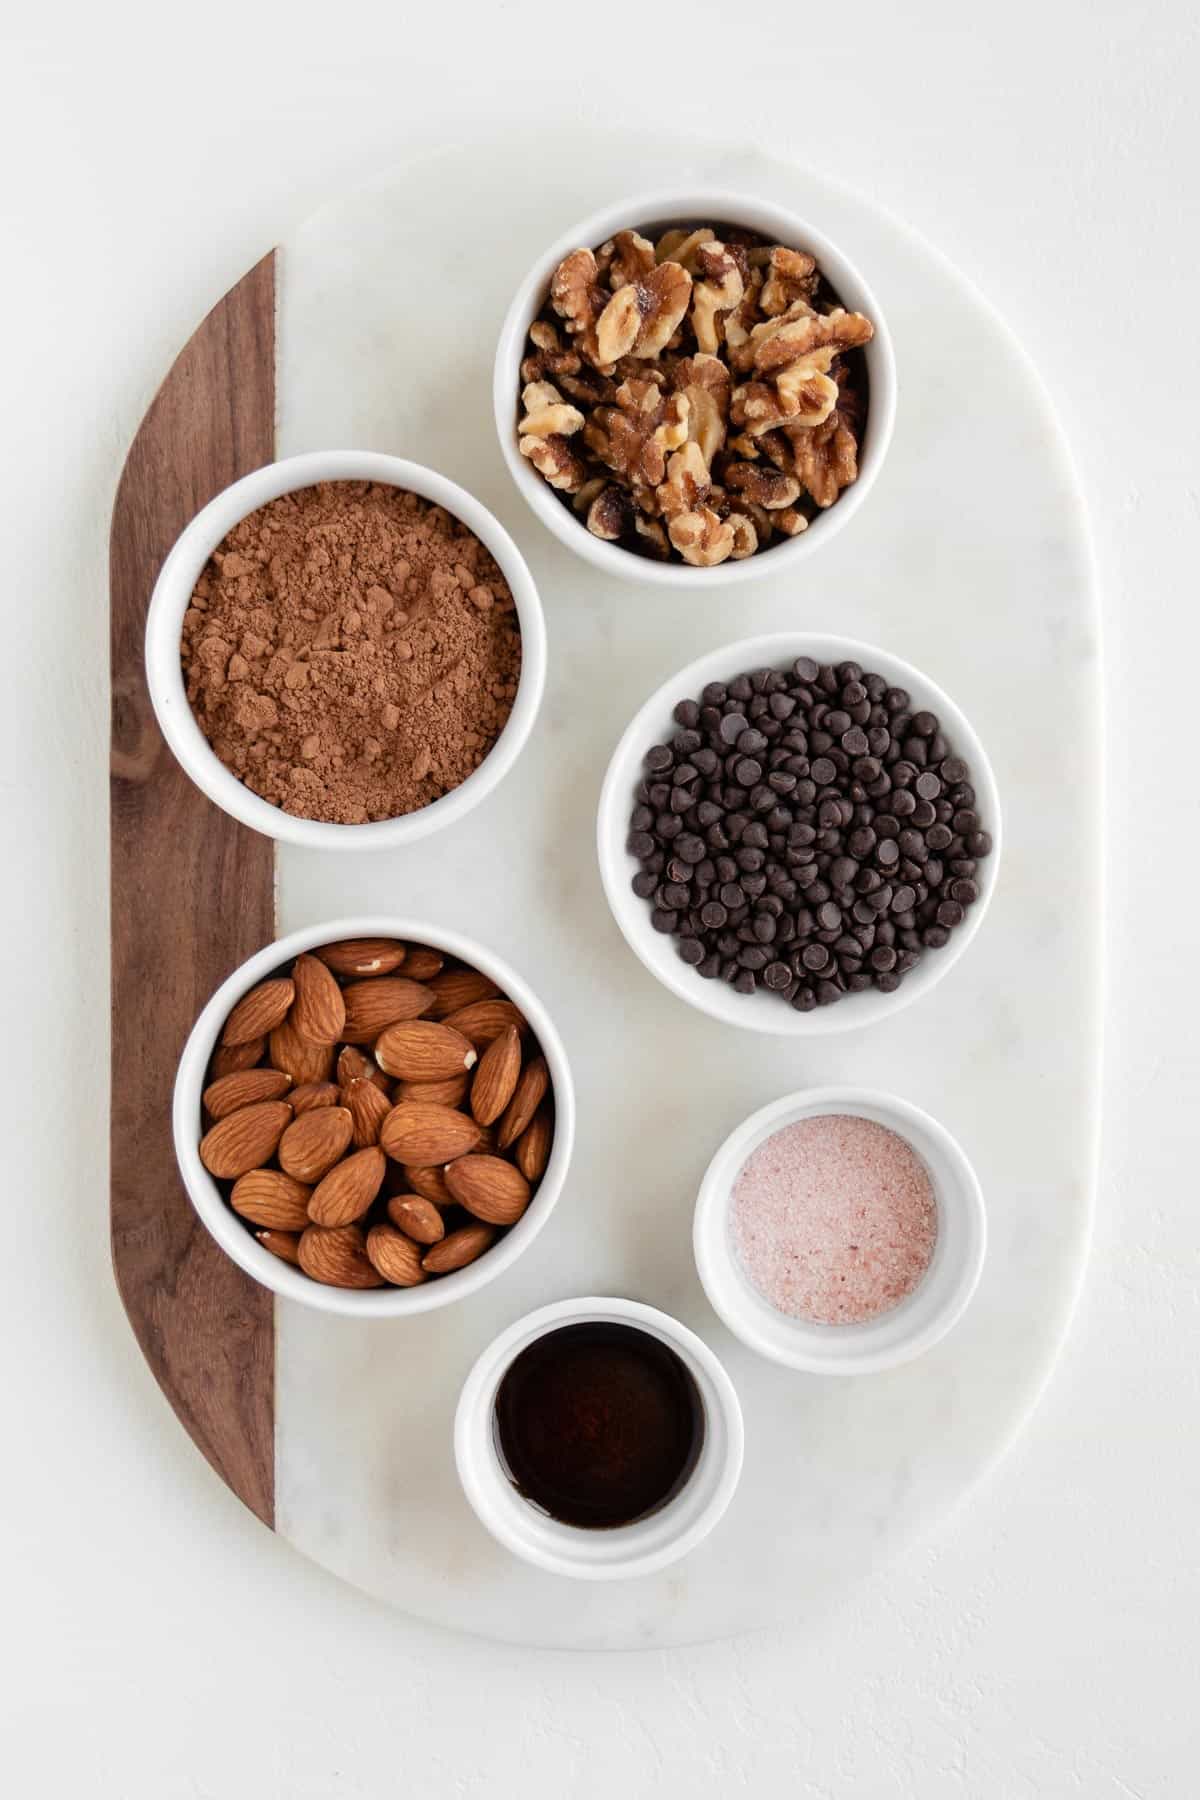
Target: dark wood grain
[(192, 896)]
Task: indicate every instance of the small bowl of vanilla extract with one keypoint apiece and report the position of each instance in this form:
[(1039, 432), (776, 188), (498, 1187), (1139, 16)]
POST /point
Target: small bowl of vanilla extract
[(598, 1438)]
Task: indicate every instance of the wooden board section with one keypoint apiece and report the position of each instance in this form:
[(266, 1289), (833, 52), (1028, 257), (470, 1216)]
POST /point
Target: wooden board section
[(192, 896)]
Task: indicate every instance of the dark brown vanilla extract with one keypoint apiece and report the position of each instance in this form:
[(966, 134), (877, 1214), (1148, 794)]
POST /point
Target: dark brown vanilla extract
[(599, 1424)]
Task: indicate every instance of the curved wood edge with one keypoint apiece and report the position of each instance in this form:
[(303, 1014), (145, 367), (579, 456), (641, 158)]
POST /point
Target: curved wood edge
[(192, 896)]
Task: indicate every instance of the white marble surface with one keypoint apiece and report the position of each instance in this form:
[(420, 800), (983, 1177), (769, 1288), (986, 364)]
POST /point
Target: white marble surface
[(970, 560)]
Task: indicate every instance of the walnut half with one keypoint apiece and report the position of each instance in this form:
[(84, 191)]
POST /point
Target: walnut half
[(554, 459), (702, 537), (635, 437), (720, 291)]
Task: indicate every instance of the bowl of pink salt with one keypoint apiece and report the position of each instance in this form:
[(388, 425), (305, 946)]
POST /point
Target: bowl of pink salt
[(840, 1231)]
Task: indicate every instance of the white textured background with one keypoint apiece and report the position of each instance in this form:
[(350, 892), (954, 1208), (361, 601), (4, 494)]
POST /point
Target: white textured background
[(160, 1644)]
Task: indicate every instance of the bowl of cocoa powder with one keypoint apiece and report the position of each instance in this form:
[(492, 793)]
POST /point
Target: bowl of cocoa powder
[(345, 650)]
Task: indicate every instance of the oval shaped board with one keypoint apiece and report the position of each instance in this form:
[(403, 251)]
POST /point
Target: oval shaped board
[(374, 326)]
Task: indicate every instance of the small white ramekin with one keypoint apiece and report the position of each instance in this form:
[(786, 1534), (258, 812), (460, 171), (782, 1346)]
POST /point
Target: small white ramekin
[(233, 1235), (652, 213), (173, 591), (653, 723), (913, 1326), (648, 1544)]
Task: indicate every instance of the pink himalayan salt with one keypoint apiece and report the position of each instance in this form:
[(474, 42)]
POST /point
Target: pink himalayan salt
[(834, 1219)]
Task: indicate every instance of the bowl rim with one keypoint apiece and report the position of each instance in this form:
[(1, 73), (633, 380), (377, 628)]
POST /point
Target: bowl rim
[(474, 1444), (730, 206), (711, 1250), (232, 1234), (657, 953), (169, 601)]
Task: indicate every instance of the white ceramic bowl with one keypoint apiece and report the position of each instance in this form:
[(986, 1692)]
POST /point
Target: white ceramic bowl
[(648, 1544), (173, 590), (652, 213), (920, 1320), (653, 723), (233, 1235)]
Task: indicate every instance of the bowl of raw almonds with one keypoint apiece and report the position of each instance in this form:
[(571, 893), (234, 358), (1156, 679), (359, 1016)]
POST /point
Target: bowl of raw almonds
[(374, 1116)]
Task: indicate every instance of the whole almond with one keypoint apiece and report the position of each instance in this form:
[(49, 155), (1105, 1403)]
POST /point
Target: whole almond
[(422, 1051), (346, 1193), (311, 1094), (268, 1197), (312, 1144), (441, 1093), (395, 1256), (338, 1257), (429, 1182), (259, 1011), (531, 1090), (456, 988), (283, 1244), (229, 1059), (355, 1065), (244, 1088), (422, 963), (303, 1061), (362, 956), (489, 1187), (458, 1248), (318, 1012), (416, 1132), (496, 1076), (484, 1020), (368, 1106), (531, 1152), (245, 1139), (371, 1006), (417, 1218)]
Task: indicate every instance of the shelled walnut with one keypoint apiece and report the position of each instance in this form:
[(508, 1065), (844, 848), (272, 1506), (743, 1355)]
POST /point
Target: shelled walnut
[(699, 397)]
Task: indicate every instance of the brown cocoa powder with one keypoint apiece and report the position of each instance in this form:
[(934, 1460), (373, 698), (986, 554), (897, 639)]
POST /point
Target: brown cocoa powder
[(351, 652)]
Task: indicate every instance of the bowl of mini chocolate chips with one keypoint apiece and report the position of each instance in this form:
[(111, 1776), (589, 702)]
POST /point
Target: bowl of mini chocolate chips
[(799, 834), (693, 388)]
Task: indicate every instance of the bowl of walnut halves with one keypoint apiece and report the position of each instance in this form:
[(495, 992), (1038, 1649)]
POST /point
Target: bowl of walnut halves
[(694, 387)]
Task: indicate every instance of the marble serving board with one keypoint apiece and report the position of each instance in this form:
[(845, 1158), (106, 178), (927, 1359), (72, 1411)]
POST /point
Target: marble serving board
[(971, 560)]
